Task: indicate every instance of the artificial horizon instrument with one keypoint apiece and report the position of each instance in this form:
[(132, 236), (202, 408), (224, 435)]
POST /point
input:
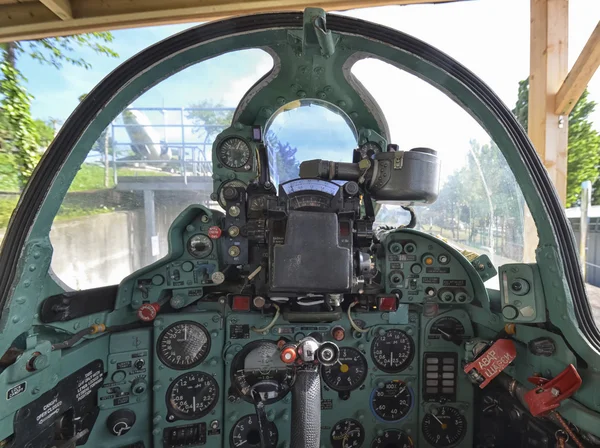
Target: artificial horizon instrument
[(283, 315)]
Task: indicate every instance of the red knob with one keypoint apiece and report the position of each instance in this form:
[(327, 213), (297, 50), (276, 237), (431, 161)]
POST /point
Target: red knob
[(147, 312), (214, 232), (288, 355)]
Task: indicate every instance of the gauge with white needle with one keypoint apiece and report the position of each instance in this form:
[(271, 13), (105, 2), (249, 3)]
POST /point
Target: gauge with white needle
[(392, 350), (444, 427), (183, 345), (391, 401)]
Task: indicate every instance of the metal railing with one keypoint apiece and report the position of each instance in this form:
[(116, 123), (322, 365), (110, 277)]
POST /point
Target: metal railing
[(191, 155)]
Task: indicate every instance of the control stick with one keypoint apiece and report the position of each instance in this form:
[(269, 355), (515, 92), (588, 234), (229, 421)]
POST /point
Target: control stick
[(307, 355)]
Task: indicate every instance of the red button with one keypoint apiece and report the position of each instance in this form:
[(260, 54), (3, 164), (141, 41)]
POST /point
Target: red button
[(388, 304), (214, 232), (288, 355), (241, 303), (147, 312)]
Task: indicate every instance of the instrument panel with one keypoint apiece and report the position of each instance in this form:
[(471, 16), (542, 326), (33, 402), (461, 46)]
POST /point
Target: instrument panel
[(210, 366), (397, 383)]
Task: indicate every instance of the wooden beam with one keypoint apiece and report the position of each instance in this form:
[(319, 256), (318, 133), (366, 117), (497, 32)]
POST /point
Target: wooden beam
[(62, 8), (24, 21), (548, 69), (580, 75)]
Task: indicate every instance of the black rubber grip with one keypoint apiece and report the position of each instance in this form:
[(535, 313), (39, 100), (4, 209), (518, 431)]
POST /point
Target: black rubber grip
[(306, 409)]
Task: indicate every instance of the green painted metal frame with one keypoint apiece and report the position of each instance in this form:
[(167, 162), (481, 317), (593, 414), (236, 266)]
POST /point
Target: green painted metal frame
[(27, 251)]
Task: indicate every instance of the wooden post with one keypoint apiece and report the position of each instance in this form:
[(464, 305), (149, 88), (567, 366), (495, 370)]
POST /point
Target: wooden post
[(548, 69)]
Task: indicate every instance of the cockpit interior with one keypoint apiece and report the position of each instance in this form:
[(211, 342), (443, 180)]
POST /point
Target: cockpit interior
[(307, 301)]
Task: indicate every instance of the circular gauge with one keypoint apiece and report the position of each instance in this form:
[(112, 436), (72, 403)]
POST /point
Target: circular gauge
[(392, 402), (234, 152), (246, 433), (347, 433), (349, 373), (444, 427), (392, 438), (200, 246), (368, 150), (183, 345), (447, 328), (393, 351), (258, 369), (231, 183), (192, 395)]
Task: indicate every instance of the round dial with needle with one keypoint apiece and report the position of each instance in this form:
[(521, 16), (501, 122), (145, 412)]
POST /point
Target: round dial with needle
[(234, 152), (349, 373), (347, 433), (392, 401), (393, 438), (444, 427), (192, 395), (393, 350), (183, 345)]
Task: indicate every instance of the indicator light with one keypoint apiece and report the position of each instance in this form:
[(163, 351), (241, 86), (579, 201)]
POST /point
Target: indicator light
[(338, 333), (388, 304), (234, 251), (428, 260), (240, 303)]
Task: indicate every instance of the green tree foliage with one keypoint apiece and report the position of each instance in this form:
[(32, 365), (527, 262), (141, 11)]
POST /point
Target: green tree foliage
[(208, 121), (285, 163), (17, 116), (480, 204), (584, 143), (20, 135)]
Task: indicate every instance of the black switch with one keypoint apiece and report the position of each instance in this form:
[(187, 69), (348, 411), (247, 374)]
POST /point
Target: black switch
[(542, 347), (120, 422)]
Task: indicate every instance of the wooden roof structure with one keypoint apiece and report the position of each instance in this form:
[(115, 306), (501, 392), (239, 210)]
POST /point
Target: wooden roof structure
[(554, 89)]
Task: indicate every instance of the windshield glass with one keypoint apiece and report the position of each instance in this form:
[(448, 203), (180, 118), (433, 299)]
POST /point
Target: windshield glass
[(480, 207), (304, 130)]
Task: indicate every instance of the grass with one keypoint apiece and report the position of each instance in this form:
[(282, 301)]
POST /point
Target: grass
[(89, 178)]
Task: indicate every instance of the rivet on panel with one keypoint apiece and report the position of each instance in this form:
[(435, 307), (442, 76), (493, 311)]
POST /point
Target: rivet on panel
[(32, 267), (156, 432), (328, 89), (20, 300), (321, 95), (26, 284), (301, 93), (342, 103), (354, 114), (281, 100), (15, 319), (267, 112), (36, 255), (303, 70)]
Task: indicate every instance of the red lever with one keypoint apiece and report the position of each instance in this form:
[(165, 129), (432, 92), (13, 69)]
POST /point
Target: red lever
[(495, 359), (147, 312), (548, 394)]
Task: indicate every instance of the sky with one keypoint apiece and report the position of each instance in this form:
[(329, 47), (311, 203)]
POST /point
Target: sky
[(490, 37)]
